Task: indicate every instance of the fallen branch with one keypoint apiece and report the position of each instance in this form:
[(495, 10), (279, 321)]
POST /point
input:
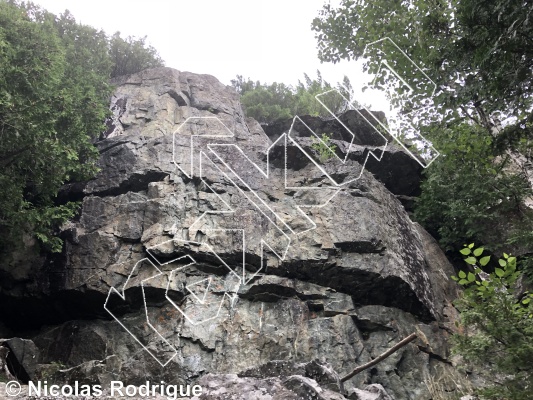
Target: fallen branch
[(381, 357)]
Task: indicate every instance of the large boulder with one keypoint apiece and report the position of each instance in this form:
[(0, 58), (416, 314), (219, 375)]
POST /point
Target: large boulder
[(334, 268), (20, 357)]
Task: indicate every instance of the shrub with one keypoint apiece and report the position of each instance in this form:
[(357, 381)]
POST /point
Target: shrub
[(496, 325)]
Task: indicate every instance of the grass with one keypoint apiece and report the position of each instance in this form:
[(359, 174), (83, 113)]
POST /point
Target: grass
[(452, 386)]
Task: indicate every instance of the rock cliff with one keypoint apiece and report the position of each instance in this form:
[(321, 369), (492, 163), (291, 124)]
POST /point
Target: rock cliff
[(230, 255)]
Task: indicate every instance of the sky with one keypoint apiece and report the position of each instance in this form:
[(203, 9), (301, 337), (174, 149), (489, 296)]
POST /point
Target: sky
[(266, 40)]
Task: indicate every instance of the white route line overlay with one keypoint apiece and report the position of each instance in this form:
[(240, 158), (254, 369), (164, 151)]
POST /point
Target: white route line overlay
[(122, 295), (242, 280), (405, 118)]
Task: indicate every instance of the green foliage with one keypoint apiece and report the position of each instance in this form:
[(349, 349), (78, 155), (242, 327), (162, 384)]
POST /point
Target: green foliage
[(480, 56), (269, 103), (324, 148), (54, 98), (496, 327), (242, 85), (39, 121), (49, 371), (479, 53), (468, 194), (307, 104), (132, 55)]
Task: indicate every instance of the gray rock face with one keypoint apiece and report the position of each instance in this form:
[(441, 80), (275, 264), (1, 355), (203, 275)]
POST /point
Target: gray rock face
[(333, 275), (372, 392), (234, 387), (402, 180), (20, 356)]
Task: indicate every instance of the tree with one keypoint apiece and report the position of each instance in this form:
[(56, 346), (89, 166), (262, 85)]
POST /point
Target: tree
[(496, 325), (269, 103), (36, 157), (54, 97), (132, 55), (306, 102), (466, 194), (479, 55), (242, 85)]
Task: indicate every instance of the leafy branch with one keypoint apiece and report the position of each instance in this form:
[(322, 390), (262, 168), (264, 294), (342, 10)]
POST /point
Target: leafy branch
[(496, 324), (324, 148)]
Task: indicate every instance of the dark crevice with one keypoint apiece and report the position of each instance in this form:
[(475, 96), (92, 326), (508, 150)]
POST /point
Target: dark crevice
[(15, 367), (367, 326), (136, 182), (70, 192), (24, 314), (271, 292), (433, 355), (368, 246), (178, 97), (205, 262), (135, 300), (207, 107), (397, 170), (200, 343), (111, 144), (365, 288)]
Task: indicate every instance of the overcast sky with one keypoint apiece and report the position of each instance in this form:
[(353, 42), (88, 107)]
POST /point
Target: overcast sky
[(268, 40)]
